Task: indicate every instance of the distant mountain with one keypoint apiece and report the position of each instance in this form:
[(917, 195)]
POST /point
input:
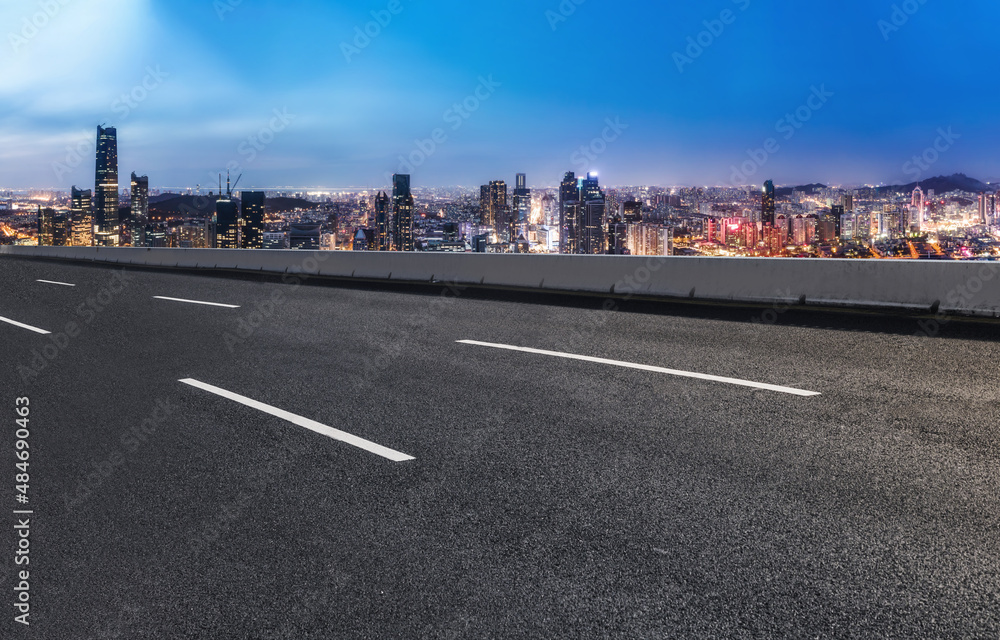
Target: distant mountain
[(288, 204), (174, 205), (163, 197), (786, 192), (944, 184)]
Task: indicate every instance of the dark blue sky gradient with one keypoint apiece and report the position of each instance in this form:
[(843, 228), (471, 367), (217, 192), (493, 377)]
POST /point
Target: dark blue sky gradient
[(607, 60)]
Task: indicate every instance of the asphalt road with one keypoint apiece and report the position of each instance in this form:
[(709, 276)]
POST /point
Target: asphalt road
[(547, 497)]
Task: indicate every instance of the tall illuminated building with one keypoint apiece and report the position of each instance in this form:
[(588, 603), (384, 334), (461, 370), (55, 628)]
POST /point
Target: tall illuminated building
[(493, 208), (592, 225), (568, 193), (631, 212), (521, 200), (987, 208), (584, 218), (252, 235), (402, 213), (46, 222), (140, 209), (837, 213), (590, 189), (62, 230), (227, 220), (767, 204), (383, 222), (106, 188), (81, 205)]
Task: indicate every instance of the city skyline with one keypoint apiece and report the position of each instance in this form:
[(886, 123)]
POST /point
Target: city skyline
[(314, 107), (580, 217)]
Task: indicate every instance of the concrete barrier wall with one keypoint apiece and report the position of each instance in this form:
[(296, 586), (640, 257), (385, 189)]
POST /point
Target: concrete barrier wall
[(971, 288)]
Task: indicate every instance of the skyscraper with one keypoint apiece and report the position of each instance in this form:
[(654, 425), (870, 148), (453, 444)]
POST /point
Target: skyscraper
[(383, 223), (402, 213), (252, 203), (227, 214), (494, 211), (590, 190), (522, 200), (987, 208), (140, 209), (62, 230), (767, 204), (568, 193), (917, 210), (81, 204), (584, 217), (592, 228), (46, 220), (837, 213), (106, 188)]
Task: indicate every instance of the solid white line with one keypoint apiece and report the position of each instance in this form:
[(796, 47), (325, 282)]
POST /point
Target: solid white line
[(645, 367), (312, 425), (211, 304), (25, 326), (65, 284)]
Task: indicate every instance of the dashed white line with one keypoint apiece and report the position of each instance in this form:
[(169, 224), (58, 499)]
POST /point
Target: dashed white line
[(64, 284), (25, 326), (312, 425), (211, 304), (646, 367)]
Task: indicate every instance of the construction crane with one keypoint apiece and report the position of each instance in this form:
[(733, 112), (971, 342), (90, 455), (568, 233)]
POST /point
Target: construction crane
[(229, 190)]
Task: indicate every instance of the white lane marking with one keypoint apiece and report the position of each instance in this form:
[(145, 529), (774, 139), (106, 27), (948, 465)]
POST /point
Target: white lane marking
[(646, 367), (65, 284), (25, 326), (312, 425), (211, 304)]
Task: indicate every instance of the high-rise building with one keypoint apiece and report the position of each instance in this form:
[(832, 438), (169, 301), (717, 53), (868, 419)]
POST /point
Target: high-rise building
[(837, 213), (568, 193), (46, 220), (493, 209), (402, 213), (521, 201), (62, 230), (590, 190), (252, 234), (383, 222), (631, 212), (227, 220), (767, 204), (848, 202), (140, 209), (645, 239), (304, 236), (987, 208), (582, 216), (585, 219), (617, 236), (81, 204), (106, 188)]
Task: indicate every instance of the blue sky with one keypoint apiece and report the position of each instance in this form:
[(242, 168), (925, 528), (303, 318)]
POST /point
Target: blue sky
[(203, 81)]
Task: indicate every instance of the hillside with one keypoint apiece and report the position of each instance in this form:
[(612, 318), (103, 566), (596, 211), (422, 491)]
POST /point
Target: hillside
[(172, 204)]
